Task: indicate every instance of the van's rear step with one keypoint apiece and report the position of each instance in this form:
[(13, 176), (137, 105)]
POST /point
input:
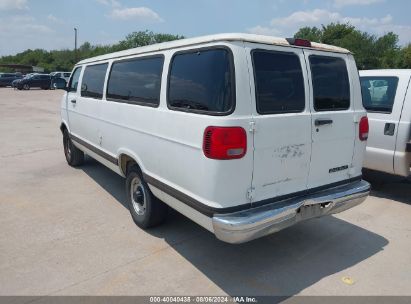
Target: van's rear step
[(250, 224)]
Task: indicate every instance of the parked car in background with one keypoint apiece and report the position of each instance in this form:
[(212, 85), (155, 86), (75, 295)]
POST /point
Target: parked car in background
[(64, 75), (14, 83), (386, 96), (244, 134), (58, 83), (6, 79), (42, 81)]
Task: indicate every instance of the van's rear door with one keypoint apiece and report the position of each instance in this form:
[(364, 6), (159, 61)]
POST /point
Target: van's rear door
[(281, 113), (333, 117)]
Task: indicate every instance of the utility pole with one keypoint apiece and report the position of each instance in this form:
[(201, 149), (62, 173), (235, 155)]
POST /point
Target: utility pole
[(75, 44)]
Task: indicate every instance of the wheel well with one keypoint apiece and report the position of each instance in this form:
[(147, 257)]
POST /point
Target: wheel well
[(126, 162)]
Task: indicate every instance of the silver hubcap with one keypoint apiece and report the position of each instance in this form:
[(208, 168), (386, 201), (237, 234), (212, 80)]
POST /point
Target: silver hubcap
[(138, 196)]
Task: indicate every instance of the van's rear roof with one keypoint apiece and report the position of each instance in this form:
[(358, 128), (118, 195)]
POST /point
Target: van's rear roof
[(212, 38)]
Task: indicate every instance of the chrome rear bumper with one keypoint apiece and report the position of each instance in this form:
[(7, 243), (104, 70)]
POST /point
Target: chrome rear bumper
[(250, 224)]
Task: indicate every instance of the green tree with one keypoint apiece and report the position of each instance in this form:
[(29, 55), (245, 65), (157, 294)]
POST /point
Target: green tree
[(405, 57), (334, 33), (388, 51), (310, 33), (369, 51), (65, 59), (143, 38)]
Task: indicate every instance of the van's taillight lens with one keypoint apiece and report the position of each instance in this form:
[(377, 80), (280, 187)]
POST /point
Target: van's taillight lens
[(364, 128), (224, 142)]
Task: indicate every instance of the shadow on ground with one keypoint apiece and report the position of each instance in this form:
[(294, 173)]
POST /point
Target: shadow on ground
[(282, 264), (389, 186)]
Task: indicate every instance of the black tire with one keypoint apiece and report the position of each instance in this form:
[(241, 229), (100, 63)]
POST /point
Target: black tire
[(26, 87), (74, 156), (145, 209)]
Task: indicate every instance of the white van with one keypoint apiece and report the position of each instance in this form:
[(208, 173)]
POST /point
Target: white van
[(387, 98), (243, 134)]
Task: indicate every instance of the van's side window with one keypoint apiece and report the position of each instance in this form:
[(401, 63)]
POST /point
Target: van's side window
[(378, 93), (73, 84), (331, 86), (136, 81), (279, 82), (93, 81), (202, 81)]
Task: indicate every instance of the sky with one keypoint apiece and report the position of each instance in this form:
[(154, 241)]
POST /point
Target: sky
[(49, 24)]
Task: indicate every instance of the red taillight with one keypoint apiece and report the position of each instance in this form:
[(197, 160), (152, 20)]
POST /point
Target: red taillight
[(299, 42), (224, 142), (364, 128)]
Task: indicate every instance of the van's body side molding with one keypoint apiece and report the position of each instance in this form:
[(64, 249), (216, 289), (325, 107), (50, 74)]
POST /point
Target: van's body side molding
[(188, 200)]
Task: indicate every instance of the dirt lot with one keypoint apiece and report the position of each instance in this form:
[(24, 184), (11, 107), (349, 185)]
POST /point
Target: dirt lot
[(66, 231)]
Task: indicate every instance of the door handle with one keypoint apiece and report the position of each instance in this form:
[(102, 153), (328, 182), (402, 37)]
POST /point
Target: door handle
[(73, 101), (322, 122), (389, 129)]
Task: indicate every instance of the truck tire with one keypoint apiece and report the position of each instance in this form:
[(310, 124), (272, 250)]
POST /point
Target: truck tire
[(145, 209), (74, 156)]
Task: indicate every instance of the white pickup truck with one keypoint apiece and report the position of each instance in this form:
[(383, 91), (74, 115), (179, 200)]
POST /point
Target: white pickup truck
[(243, 134), (387, 98)]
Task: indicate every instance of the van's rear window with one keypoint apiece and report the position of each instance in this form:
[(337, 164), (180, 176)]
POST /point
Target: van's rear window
[(279, 82), (378, 93), (202, 81), (331, 86)]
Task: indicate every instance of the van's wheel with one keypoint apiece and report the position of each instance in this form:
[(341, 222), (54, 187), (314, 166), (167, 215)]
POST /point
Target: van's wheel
[(74, 156), (26, 87), (146, 210)]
